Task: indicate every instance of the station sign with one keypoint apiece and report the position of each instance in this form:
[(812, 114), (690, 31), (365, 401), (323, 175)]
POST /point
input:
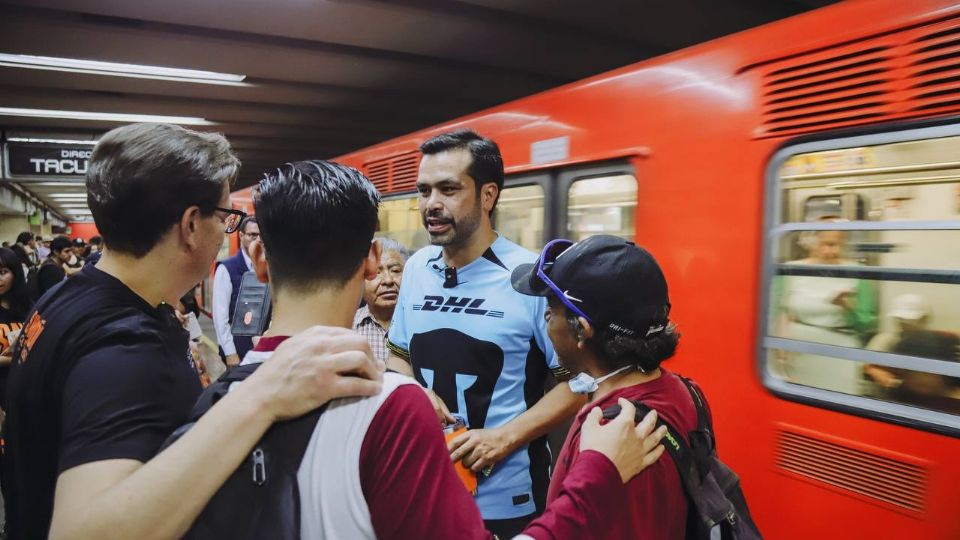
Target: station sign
[(33, 160)]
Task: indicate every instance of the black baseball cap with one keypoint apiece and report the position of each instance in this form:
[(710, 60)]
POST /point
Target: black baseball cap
[(615, 283)]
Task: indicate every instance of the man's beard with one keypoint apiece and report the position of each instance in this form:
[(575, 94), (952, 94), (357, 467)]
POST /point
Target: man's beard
[(460, 231)]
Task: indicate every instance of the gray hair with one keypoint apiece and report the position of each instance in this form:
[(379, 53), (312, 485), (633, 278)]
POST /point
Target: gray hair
[(389, 244)]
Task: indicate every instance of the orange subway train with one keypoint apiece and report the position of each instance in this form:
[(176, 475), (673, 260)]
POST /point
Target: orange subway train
[(800, 184)]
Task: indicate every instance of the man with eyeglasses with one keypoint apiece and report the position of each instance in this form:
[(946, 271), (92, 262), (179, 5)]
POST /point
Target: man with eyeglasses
[(101, 374), (226, 287)]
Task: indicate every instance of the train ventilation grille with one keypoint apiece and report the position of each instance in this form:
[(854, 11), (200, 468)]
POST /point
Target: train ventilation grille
[(914, 72), (394, 174), (881, 478)]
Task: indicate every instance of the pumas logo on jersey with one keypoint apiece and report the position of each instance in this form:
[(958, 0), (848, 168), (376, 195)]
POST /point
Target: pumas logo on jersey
[(456, 304)]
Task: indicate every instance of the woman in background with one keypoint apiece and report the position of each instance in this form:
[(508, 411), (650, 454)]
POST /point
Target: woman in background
[(14, 305), (829, 310)]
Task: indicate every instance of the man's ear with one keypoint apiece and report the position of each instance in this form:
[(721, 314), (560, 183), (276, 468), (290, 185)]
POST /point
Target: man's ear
[(371, 264), (190, 227), (585, 333), (258, 258), (488, 196)]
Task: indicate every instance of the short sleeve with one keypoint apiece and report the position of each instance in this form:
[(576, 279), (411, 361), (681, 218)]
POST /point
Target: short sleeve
[(122, 400), (404, 452), (543, 339), (398, 337)]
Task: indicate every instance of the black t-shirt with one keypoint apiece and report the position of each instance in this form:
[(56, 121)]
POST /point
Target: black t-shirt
[(98, 374), (49, 274)]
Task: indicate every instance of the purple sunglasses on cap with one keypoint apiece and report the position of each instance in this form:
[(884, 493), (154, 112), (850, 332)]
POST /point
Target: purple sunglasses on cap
[(548, 256)]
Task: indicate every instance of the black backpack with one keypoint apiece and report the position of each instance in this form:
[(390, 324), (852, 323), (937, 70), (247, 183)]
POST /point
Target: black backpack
[(261, 499), (717, 507)]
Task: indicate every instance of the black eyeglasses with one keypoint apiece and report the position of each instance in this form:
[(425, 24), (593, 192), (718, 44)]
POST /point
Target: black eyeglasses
[(233, 220)]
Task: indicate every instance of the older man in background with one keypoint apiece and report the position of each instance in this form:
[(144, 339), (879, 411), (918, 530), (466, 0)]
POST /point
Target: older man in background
[(380, 297)]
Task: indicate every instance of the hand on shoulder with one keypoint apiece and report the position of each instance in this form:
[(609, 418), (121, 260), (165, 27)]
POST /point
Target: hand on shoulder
[(313, 367), (631, 447)]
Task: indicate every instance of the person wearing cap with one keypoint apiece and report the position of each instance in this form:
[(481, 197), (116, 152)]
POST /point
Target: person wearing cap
[(909, 313), (609, 321), (75, 263), (479, 347), (911, 337)]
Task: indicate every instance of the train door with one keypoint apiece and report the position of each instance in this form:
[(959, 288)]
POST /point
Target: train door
[(524, 213), (597, 199)]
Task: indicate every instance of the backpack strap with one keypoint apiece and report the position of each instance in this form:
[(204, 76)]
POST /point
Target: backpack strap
[(219, 388), (675, 445), (703, 438)]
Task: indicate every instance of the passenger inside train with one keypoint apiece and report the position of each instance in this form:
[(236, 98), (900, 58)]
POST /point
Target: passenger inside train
[(834, 293)]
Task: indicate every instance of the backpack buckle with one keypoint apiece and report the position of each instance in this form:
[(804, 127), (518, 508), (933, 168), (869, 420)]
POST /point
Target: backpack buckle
[(731, 518), (259, 467)]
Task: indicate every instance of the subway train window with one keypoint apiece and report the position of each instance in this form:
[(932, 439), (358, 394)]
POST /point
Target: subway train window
[(863, 280), (400, 220), (519, 215), (602, 205)]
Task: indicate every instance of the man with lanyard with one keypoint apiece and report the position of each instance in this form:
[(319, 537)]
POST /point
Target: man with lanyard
[(226, 288), (480, 348)]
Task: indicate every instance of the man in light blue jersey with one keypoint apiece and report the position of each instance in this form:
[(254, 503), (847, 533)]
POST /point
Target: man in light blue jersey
[(479, 347)]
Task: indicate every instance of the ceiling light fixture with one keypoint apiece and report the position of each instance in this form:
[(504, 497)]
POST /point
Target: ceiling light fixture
[(64, 184), (104, 117), (48, 141), (74, 65)]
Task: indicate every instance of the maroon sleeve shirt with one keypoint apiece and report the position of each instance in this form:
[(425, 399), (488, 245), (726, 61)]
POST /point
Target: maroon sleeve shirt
[(407, 477), (654, 506), (413, 491)]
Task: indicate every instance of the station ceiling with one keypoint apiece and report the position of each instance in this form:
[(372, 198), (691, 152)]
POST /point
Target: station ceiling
[(323, 78)]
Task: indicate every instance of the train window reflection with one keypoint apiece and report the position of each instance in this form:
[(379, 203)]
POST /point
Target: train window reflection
[(931, 391), (876, 283), (519, 215), (399, 219), (603, 205)]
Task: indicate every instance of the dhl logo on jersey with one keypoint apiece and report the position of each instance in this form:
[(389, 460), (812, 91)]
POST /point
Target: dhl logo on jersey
[(453, 304)]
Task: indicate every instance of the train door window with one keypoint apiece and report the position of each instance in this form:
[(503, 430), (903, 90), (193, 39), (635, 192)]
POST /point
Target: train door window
[(862, 276), (602, 205), (400, 220), (520, 215)]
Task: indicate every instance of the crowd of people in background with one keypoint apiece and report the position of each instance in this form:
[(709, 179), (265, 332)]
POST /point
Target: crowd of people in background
[(45, 263)]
